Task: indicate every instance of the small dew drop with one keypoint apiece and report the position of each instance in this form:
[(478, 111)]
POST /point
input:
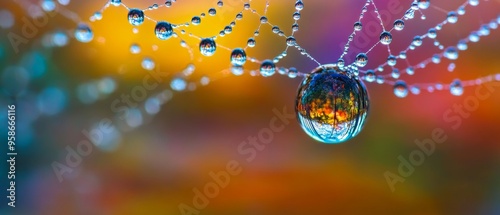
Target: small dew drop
[(208, 47), (267, 68), (400, 89)]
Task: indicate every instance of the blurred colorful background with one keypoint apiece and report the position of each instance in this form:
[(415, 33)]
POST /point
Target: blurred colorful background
[(160, 156)]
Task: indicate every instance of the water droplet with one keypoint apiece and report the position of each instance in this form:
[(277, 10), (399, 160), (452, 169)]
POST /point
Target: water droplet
[(436, 58), (484, 30), (228, 29), (456, 88), (423, 4), (205, 80), (83, 33), (410, 71), (399, 25), (196, 20), (432, 33), (451, 67), (296, 16), (370, 76), (239, 16), (358, 26), (414, 6), (220, 3), (136, 17), (148, 63), (299, 5), (417, 41), (208, 47), (451, 53), (97, 15), (395, 73), (415, 90), (164, 30), (409, 14), (391, 60), (452, 17), (386, 38), (115, 2), (361, 60), (332, 105), (380, 79), (48, 5), (212, 11), (238, 57), (474, 37), (461, 10), (178, 84), (276, 29), (291, 41), (340, 62), (400, 89), (267, 68), (251, 42), (493, 25), (263, 19), (474, 2), (59, 39), (135, 48), (292, 72), (403, 55)]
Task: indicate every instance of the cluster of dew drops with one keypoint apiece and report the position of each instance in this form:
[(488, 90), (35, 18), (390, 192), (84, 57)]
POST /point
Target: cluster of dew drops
[(401, 89), (207, 46), (165, 30)]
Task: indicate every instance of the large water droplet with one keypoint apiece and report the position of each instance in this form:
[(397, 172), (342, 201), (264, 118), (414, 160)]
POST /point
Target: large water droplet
[(332, 105)]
